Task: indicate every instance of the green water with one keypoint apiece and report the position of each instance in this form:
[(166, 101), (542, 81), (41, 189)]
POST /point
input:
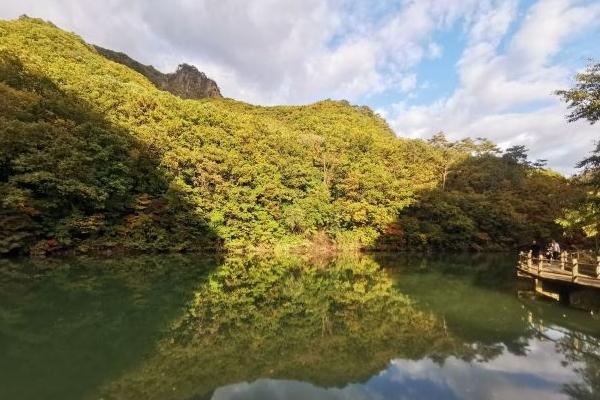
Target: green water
[(368, 327)]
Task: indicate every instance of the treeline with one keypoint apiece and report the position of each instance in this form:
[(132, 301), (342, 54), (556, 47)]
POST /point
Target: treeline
[(94, 157), (488, 200)]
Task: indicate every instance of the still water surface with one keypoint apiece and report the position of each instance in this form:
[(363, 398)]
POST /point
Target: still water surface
[(369, 327)]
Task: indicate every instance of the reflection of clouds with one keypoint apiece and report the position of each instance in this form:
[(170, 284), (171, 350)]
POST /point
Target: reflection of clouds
[(542, 360), (270, 389), (539, 375)]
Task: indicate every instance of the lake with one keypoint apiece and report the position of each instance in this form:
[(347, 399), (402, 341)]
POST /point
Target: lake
[(376, 326)]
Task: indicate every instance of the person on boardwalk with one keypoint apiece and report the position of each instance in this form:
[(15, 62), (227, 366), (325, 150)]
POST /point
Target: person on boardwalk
[(535, 249), (555, 248)]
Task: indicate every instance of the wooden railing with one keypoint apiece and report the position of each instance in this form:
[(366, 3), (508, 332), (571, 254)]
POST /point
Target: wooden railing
[(566, 268)]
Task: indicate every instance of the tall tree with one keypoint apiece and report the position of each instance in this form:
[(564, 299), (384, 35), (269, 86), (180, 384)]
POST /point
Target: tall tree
[(584, 101), (590, 167), (518, 155), (452, 153), (584, 98)]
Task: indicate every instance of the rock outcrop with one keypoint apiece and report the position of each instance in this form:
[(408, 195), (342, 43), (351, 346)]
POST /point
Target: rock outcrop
[(187, 82)]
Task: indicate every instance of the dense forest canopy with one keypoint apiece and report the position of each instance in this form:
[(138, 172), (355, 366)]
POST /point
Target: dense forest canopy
[(93, 156)]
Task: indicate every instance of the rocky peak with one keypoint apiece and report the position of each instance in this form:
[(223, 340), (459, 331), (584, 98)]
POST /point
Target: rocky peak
[(189, 83), (186, 82)]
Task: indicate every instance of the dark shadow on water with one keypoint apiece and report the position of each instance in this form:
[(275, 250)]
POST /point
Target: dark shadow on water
[(69, 327)]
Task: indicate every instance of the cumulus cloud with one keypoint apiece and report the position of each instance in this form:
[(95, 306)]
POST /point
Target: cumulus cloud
[(287, 51), (506, 95)]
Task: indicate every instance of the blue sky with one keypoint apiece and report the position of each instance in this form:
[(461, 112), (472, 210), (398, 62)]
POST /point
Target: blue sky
[(466, 67)]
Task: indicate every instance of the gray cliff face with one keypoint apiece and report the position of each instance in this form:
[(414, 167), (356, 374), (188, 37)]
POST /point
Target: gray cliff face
[(187, 82)]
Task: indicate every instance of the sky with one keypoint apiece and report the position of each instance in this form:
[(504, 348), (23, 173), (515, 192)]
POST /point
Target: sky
[(485, 68)]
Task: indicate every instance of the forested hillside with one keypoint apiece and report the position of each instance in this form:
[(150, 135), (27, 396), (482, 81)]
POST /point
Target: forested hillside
[(93, 156)]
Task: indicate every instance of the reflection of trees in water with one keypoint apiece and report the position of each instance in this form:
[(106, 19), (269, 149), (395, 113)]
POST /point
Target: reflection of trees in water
[(478, 308), (589, 388), (472, 294), (328, 323), (286, 319), (581, 352)]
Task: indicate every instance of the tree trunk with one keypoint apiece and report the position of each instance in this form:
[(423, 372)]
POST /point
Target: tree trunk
[(444, 175)]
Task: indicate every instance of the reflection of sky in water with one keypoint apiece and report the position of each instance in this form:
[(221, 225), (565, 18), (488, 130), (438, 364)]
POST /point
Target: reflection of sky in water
[(539, 375)]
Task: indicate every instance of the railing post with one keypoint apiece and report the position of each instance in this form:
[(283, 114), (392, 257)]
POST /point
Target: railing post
[(521, 263), (540, 263), (598, 267), (575, 271), (538, 285), (529, 262)]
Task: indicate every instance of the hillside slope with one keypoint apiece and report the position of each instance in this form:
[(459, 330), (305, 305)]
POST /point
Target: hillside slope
[(92, 152), (94, 156)]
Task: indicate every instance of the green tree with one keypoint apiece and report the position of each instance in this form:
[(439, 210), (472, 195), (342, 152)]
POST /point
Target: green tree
[(584, 101), (584, 98)]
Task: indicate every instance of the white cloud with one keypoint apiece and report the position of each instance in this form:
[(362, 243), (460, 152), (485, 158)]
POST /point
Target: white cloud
[(408, 83), (495, 84), (434, 50), (546, 27)]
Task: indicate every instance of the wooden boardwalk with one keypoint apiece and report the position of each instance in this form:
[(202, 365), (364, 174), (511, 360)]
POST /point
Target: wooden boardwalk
[(567, 269)]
